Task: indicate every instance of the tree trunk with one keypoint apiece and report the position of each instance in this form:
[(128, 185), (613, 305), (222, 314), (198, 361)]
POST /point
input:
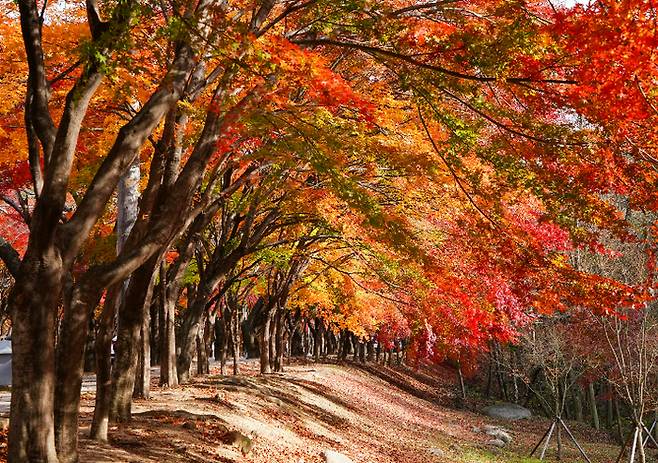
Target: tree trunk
[(201, 353), (168, 373), (143, 378), (222, 342), (155, 330), (209, 338), (236, 336), (70, 362), (317, 335), (219, 338), (487, 390), (344, 346), (306, 340), (192, 320), (279, 340), (131, 318), (272, 344), (577, 403), (33, 304), (620, 433), (460, 377), (264, 343), (90, 354), (592, 406), (640, 444), (370, 353), (610, 409), (103, 346)]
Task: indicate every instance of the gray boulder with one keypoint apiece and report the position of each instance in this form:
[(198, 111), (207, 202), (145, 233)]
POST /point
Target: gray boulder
[(334, 457), (436, 452), (507, 411)]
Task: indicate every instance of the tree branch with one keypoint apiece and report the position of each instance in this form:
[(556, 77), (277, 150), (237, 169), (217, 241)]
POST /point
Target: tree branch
[(431, 67), (10, 257)]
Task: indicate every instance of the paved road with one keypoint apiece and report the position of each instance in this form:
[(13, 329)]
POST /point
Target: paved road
[(88, 385)]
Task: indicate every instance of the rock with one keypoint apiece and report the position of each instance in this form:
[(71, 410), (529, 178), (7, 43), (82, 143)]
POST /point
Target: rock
[(191, 425), (436, 452), (499, 434), (507, 411), (334, 457), (497, 443), (275, 401), (476, 430), (239, 440)]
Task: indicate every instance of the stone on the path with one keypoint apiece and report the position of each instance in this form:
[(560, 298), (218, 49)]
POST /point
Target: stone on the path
[(506, 411), (334, 457), (497, 443), (436, 452)]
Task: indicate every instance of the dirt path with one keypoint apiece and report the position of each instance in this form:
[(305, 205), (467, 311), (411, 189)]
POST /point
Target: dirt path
[(293, 417)]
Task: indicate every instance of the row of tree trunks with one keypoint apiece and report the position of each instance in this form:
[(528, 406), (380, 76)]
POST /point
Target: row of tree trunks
[(592, 402)]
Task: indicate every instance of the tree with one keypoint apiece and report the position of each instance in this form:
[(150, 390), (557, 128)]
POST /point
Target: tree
[(229, 89)]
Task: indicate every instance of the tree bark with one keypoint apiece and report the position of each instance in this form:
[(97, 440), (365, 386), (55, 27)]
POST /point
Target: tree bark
[(100, 422), (279, 340), (201, 354), (70, 362), (222, 342), (131, 319), (33, 303), (317, 339), (209, 337), (594, 411), (264, 344), (168, 373), (190, 327), (236, 336), (143, 377)]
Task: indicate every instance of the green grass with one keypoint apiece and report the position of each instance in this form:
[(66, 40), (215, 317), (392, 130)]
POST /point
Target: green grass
[(486, 456)]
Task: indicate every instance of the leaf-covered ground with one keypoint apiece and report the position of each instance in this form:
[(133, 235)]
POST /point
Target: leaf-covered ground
[(371, 415)]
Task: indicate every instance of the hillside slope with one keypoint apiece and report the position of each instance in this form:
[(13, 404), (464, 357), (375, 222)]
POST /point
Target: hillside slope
[(372, 416)]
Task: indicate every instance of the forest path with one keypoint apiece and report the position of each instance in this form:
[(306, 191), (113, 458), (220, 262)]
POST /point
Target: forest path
[(372, 416)]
